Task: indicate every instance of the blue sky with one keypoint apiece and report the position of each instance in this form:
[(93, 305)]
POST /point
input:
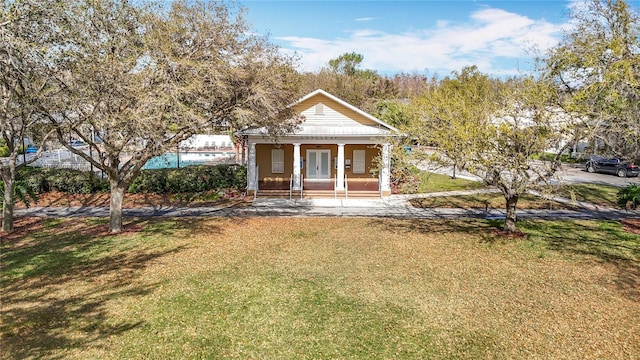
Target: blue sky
[(430, 37)]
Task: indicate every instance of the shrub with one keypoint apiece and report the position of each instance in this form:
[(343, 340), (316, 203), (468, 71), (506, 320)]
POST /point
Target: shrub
[(4, 150), (23, 193), (190, 179), (33, 178), (41, 180), (629, 197), (72, 181), (404, 179), (149, 181), (187, 180)]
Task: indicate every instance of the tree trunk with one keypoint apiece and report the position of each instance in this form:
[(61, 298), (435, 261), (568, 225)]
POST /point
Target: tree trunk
[(115, 205), (510, 219), (454, 171), (7, 204)]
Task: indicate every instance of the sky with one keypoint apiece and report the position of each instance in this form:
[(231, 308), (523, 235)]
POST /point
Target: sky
[(427, 37)]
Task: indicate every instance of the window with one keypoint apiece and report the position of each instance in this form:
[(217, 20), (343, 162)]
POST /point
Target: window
[(359, 161), (277, 161), (319, 109)]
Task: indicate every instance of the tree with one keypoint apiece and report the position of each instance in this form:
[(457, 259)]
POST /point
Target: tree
[(453, 113), (146, 80), (343, 78), (27, 34), (410, 85), (525, 126), (347, 64), (492, 129), (394, 112), (597, 67)]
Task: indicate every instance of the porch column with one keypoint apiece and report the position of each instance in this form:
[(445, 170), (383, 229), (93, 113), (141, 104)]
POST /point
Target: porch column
[(296, 166), (340, 166), (251, 168), (385, 172)]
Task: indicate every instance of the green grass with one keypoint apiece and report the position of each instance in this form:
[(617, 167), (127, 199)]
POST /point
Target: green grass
[(487, 201), (316, 288), (431, 182), (603, 195), (552, 156)]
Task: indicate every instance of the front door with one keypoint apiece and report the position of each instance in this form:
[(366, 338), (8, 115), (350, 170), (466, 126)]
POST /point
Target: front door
[(318, 164)]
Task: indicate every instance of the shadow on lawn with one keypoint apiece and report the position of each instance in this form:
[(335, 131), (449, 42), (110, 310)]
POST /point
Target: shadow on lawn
[(480, 228), (602, 241), (58, 279)]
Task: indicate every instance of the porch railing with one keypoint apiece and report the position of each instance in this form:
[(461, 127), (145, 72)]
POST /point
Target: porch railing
[(346, 187), (301, 186), (255, 178), (335, 187)]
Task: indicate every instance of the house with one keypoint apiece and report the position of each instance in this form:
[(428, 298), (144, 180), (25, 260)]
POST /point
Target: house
[(208, 142), (337, 148)]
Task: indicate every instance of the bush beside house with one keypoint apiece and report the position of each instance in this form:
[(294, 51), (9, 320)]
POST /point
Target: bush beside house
[(190, 179)]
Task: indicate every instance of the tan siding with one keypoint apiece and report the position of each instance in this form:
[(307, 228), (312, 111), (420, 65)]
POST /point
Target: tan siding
[(263, 160), (370, 157), (334, 113)]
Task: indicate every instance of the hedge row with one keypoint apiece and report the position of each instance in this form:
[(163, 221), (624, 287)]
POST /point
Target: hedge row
[(41, 180), (190, 179)]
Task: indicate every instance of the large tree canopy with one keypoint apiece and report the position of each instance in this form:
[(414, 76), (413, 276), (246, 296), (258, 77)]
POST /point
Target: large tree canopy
[(491, 128), (27, 34), (597, 66), (453, 112), (145, 79)]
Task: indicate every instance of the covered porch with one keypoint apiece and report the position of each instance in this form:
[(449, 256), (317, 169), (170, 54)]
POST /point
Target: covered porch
[(318, 169)]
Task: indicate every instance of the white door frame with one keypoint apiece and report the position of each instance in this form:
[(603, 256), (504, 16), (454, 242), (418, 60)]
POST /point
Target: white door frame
[(318, 173)]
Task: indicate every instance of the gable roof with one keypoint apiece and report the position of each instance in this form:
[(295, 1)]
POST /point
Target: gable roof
[(347, 105), (341, 118)]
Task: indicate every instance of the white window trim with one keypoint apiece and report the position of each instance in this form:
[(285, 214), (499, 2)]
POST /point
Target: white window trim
[(359, 165), (277, 161)]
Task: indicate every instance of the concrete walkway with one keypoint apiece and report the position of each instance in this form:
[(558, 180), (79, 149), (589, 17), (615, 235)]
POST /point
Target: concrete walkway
[(396, 206)]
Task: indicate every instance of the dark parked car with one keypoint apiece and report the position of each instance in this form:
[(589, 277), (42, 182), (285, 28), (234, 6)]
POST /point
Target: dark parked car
[(77, 143), (613, 166)]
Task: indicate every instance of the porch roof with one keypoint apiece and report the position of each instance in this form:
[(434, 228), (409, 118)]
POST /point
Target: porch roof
[(302, 130)]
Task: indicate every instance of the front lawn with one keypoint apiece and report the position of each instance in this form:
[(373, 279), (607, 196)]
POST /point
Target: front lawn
[(432, 182), (494, 200), (296, 288), (602, 195)]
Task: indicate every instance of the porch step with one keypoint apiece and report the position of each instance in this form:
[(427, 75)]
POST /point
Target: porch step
[(319, 194), (277, 193)]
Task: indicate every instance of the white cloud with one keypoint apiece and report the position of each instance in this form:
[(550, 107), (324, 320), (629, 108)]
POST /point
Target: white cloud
[(493, 39), (364, 19)]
